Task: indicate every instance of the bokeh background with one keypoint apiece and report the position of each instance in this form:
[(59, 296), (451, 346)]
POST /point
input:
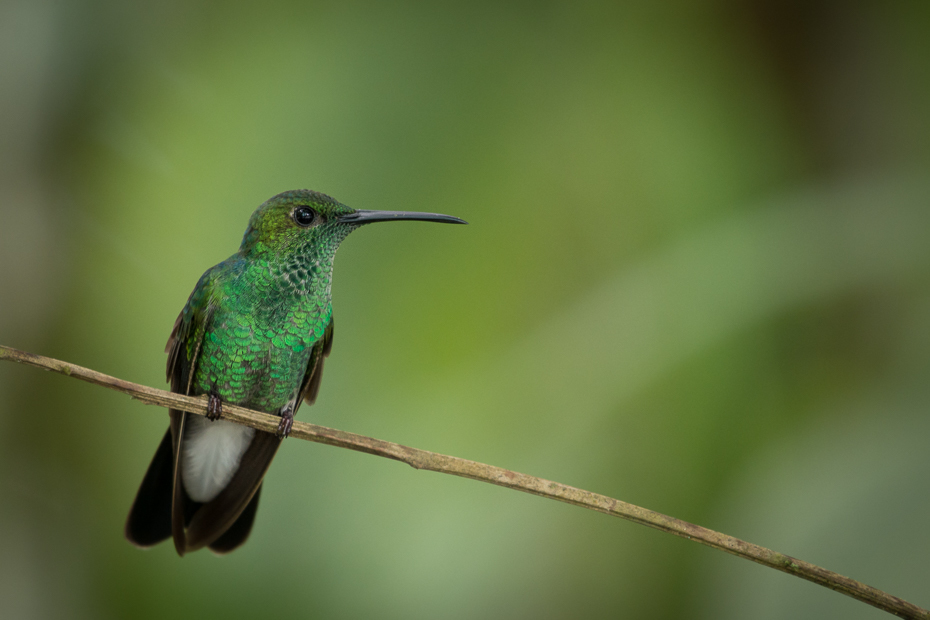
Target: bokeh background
[(697, 278)]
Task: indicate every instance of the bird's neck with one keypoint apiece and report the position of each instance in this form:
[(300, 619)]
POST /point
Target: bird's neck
[(292, 278)]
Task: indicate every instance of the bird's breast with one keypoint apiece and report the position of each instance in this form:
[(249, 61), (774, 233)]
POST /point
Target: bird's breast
[(258, 358)]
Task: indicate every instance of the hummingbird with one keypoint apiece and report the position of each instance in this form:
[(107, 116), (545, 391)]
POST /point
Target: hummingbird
[(254, 332)]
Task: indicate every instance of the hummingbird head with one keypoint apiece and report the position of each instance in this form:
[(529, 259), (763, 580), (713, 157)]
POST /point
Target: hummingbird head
[(307, 222)]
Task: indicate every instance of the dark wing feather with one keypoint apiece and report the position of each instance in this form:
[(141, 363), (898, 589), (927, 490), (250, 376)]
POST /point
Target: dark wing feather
[(238, 531), (314, 374), (183, 349), (214, 518), (179, 499), (216, 523), (149, 520)]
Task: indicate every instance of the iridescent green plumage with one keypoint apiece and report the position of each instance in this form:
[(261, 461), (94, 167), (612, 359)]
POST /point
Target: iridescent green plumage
[(266, 305), (254, 333)]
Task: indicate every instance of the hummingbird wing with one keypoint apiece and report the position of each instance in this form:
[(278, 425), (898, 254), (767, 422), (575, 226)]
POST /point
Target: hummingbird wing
[(239, 531), (224, 523), (150, 519), (183, 349), (314, 374)]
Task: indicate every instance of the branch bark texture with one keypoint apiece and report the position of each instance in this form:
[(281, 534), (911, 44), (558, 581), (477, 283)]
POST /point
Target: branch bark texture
[(431, 461)]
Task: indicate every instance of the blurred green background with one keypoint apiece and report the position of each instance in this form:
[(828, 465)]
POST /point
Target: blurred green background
[(697, 278)]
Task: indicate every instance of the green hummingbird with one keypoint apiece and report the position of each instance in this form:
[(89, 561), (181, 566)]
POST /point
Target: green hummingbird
[(254, 332)]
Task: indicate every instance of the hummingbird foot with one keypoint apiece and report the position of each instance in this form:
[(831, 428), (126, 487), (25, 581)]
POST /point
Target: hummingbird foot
[(287, 421), (214, 408)]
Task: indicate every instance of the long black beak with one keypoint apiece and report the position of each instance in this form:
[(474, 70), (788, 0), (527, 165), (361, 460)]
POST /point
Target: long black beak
[(367, 217)]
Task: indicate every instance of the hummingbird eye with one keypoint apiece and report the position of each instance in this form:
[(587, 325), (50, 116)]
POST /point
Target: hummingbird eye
[(304, 216)]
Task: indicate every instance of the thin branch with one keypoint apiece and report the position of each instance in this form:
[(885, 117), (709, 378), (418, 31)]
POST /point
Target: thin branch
[(431, 461)]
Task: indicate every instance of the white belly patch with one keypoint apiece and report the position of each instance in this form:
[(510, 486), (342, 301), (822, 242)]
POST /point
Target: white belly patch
[(211, 453)]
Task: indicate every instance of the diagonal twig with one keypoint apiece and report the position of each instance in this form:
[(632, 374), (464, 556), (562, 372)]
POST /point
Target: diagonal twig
[(431, 461)]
